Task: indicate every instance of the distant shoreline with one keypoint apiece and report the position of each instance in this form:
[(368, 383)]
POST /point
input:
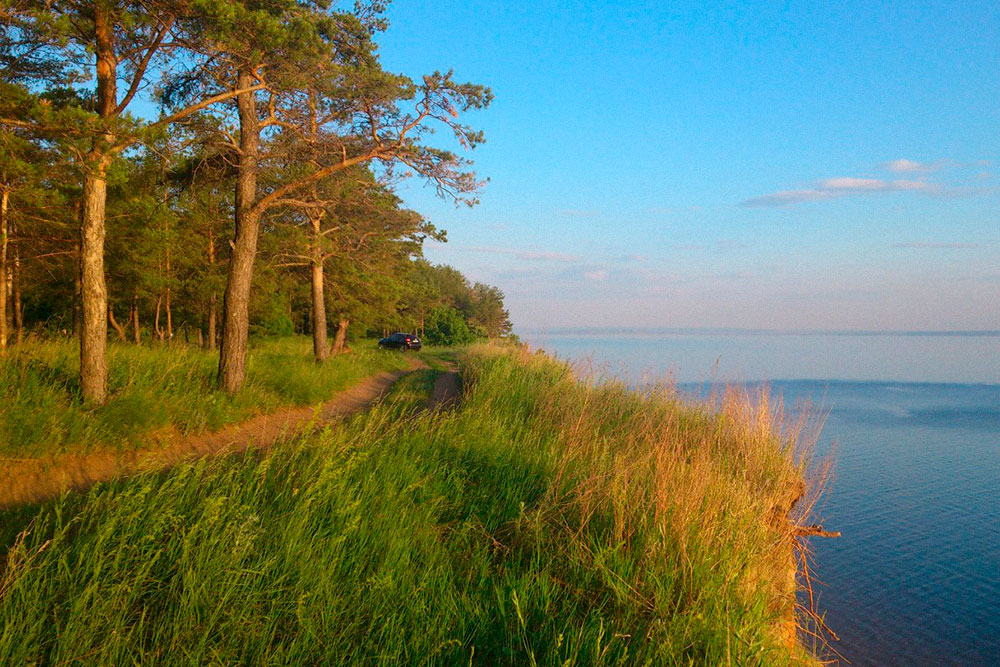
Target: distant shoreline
[(707, 331)]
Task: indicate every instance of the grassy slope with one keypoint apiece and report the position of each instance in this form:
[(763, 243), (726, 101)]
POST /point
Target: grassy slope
[(543, 522), (153, 388)]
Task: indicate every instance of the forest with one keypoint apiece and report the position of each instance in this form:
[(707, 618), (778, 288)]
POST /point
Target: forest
[(204, 171)]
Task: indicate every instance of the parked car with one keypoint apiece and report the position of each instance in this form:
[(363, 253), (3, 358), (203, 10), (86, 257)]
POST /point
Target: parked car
[(400, 341)]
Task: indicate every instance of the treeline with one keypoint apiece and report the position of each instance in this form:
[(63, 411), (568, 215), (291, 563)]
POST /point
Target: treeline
[(210, 168)]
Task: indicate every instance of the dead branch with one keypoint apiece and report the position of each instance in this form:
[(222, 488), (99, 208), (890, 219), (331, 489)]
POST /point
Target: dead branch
[(815, 530)]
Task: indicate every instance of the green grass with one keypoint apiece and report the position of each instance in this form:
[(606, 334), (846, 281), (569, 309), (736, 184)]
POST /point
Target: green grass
[(545, 521), (413, 390), (159, 388)]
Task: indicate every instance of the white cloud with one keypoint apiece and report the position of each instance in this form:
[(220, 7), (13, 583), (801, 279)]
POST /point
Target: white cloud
[(599, 274), (904, 166), (849, 183), (841, 186)]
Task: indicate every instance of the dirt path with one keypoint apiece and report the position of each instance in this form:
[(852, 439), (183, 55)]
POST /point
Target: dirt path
[(34, 480), (447, 388)]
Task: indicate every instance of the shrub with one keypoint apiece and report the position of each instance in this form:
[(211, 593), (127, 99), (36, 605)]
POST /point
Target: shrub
[(446, 326)]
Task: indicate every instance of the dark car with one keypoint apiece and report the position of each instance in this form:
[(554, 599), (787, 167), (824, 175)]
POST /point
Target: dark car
[(400, 341)]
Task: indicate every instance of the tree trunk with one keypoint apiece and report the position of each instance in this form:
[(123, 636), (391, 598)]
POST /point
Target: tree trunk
[(340, 338), (93, 291), (94, 294), (4, 272), (156, 319), (213, 316), (119, 329), (170, 317), (320, 347), (77, 287), (236, 302), (166, 304), (136, 330), (18, 305)]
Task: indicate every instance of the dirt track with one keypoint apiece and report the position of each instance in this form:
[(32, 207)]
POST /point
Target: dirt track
[(447, 388), (34, 480)]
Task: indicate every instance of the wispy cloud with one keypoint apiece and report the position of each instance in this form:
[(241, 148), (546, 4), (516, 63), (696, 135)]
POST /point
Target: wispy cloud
[(786, 197), (597, 275), (904, 166), (527, 255), (929, 245), (849, 184), (842, 186)]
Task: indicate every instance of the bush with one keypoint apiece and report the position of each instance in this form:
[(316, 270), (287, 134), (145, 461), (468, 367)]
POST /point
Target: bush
[(446, 326), (280, 326)]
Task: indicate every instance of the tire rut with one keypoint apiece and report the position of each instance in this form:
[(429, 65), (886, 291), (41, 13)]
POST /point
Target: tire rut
[(447, 389)]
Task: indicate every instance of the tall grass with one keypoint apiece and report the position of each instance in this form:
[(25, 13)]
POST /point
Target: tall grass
[(544, 521), (152, 388)]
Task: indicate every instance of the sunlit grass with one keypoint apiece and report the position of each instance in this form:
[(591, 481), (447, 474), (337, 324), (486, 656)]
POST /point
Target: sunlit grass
[(545, 521), (158, 387)]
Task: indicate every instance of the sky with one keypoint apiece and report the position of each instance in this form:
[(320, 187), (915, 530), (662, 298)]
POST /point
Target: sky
[(771, 165)]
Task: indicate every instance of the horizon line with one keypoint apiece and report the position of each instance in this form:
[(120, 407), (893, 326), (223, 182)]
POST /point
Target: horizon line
[(562, 330)]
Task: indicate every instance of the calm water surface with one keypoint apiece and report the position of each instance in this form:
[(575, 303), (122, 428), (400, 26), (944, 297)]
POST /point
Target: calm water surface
[(913, 424)]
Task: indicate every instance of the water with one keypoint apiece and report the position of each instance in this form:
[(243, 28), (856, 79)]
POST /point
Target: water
[(913, 423), (915, 578)]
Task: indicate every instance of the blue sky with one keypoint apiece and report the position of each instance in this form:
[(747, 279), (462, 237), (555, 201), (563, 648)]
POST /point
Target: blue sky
[(786, 165)]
